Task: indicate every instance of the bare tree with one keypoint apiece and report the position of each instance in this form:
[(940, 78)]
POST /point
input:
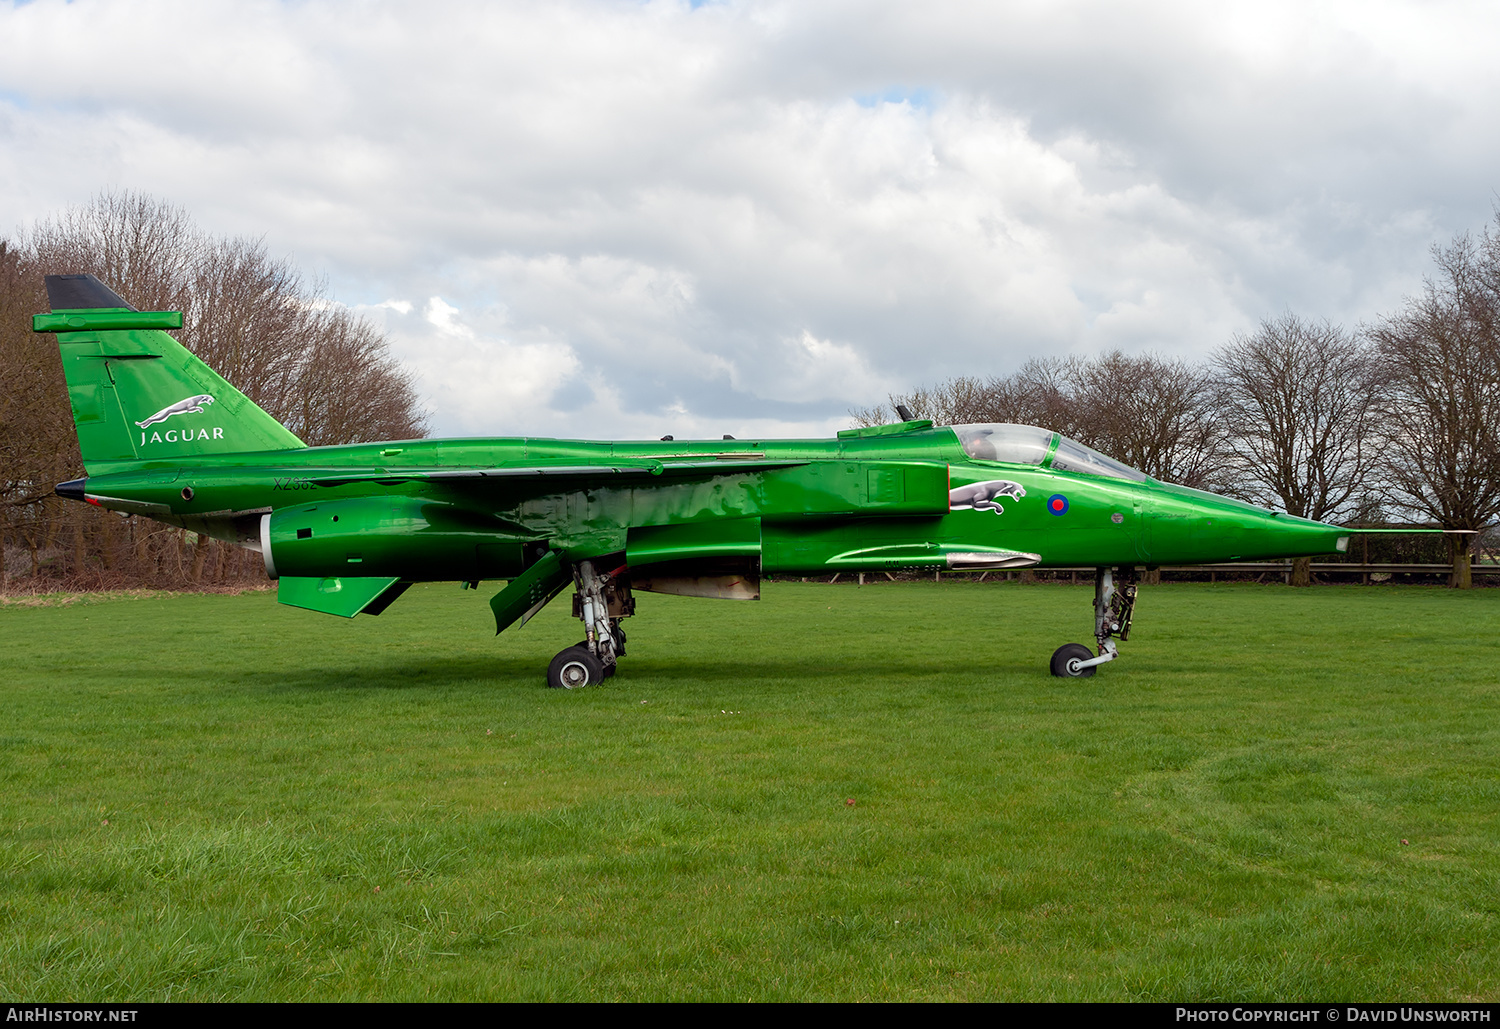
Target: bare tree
[(348, 388), (1296, 397), (1152, 413), (30, 381), (1439, 397), (249, 317), (314, 365), (958, 401), (143, 247), (323, 372), (1043, 392), (1147, 411), (1040, 393)]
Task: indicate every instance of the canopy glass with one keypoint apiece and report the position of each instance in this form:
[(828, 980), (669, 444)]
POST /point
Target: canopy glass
[(1027, 444)]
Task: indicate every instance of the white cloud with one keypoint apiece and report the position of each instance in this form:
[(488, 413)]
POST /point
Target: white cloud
[(440, 316), (652, 217), (477, 380)]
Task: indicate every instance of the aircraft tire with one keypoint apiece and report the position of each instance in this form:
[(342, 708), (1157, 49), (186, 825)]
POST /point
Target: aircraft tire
[(609, 670), (573, 669), (1071, 652)]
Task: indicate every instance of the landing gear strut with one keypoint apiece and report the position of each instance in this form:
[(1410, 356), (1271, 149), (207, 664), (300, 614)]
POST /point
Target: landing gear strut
[(1114, 607), (603, 598)]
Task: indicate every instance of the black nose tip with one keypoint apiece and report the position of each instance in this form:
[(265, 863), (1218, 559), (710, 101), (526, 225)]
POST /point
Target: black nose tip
[(72, 489)]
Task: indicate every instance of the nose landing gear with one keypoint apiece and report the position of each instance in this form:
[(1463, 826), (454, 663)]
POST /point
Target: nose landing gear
[(1114, 607), (603, 598)]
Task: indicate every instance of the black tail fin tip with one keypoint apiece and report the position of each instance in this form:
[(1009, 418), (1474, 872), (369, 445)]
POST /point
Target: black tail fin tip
[(80, 293)]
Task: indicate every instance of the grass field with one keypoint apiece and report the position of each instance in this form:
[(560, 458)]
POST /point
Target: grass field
[(1277, 794)]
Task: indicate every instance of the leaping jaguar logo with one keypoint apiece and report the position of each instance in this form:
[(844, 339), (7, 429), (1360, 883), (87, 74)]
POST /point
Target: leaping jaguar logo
[(980, 496), (190, 405)]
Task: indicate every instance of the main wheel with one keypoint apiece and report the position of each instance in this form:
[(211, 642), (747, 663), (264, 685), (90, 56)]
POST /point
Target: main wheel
[(609, 670), (1065, 661), (574, 668)]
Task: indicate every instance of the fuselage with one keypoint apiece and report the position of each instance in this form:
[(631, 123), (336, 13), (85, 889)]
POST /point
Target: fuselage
[(870, 500)]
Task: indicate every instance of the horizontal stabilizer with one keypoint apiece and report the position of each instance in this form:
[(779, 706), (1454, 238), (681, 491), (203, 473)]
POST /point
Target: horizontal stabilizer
[(105, 320), (344, 596)]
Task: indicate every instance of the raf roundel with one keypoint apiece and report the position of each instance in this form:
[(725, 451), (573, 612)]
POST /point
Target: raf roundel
[(1057, 504)]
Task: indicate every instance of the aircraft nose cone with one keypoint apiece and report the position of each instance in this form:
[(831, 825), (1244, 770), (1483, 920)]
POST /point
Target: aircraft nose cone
[(1288, 536), (1193, 527)]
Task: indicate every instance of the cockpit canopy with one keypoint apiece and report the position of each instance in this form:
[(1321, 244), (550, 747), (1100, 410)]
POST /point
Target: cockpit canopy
[(1027, 444)]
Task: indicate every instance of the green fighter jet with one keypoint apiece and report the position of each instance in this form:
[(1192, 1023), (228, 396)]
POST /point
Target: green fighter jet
[(346, 529)]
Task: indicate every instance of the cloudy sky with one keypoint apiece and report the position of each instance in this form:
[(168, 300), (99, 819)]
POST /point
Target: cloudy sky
[(625, 219)]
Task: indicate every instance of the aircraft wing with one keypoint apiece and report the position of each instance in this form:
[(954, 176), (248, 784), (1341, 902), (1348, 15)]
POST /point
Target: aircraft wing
[(553, 475)]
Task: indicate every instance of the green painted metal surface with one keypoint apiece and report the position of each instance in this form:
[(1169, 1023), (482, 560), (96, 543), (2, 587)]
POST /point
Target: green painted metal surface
[(165, 436), (530, 590), (105, 318), (345, 596), (714, 539)]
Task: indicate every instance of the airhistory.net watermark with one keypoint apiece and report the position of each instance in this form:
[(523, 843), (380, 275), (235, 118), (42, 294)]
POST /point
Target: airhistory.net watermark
[(51, 1013)]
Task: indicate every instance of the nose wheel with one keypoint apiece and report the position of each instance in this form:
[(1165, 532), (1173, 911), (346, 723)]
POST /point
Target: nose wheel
[(1114, 609), (1067, 661)]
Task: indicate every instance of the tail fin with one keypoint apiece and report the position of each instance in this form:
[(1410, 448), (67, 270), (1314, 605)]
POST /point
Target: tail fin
[(138, 394)]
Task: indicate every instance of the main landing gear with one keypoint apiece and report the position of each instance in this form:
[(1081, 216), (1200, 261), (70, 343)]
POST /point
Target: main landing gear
[(603, 598), (1114, 607)]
